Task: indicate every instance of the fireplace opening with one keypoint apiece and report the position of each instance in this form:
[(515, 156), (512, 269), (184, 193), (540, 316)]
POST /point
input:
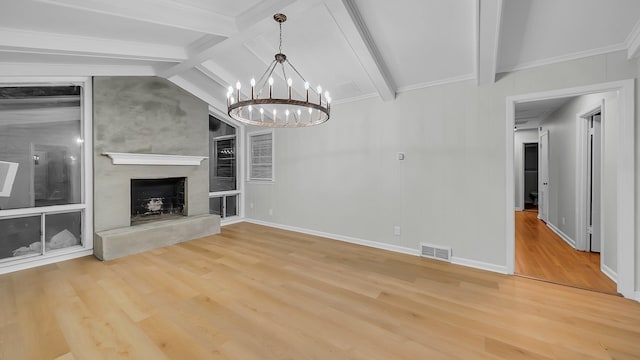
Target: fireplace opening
[(157, 199)]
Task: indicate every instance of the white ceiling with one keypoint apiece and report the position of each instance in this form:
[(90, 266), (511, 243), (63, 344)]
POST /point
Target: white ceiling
[(536, 111), (536, 32), (354, 48)]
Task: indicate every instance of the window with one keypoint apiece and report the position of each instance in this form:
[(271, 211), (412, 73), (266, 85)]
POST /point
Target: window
[(45, 207), (224, 193), (261, 156)]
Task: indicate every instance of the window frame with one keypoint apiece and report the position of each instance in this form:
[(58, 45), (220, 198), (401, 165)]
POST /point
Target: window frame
[(239, 192), (250, 157), (85, 206)]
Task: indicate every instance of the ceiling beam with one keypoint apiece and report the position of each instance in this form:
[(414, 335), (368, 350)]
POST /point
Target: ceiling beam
[(48, 43), (348, 18), (259, 26), (489, 14), (60, 69), (165, 13), (216, 73), (199, 91)]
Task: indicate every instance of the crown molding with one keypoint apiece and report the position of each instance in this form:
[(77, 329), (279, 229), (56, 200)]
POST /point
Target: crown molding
[(632, 41), (563, 58)]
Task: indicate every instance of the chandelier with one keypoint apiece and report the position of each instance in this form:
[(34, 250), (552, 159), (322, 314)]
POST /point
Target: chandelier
[(279, 106)]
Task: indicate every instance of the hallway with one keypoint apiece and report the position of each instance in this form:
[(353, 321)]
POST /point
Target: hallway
[(542, 254)]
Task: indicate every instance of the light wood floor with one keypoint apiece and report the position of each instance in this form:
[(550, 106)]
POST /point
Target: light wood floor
[(542, 254), (255, 292)]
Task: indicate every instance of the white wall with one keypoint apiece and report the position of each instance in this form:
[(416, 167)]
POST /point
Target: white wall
[(521, 137), (343, 177), (562, 127)]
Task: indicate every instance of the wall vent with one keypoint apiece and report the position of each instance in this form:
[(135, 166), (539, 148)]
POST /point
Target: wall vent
[(435, 252)]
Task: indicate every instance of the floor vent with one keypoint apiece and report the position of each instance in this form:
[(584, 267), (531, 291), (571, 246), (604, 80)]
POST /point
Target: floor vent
[(435, 252)]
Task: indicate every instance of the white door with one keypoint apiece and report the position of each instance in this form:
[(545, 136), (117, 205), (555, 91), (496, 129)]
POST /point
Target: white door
[(594, 186), (543, 177)]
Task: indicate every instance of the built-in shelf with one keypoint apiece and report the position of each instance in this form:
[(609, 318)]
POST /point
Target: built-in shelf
[(153, 159)]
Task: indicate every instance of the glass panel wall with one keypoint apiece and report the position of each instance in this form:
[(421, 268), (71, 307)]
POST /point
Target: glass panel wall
[(20, 236), (42, 155), (40, 135), (62, 230), (223, 169), (222, 155)]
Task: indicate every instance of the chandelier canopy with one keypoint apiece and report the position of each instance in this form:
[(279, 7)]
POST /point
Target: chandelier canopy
[(279, 106)]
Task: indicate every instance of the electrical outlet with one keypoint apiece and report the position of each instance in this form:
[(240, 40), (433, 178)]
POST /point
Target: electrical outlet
[(400, 156), (396, 230)]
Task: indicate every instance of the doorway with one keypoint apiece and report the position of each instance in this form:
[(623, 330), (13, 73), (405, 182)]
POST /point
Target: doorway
[(622, 247), (530, 176), (547, 246), (589, 194), (594, 193)]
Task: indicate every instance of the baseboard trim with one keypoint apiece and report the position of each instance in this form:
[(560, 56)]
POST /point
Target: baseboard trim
[(562, 235), (637, 296), (232, 221), (29, 263), (610, 273), (479, 265), (378, 245), (349, 239)]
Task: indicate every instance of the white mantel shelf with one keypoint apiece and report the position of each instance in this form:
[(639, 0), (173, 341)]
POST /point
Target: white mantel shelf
[(153, 159)]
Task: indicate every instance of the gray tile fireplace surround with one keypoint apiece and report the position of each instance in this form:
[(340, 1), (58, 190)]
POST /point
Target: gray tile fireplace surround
[(147, 115)]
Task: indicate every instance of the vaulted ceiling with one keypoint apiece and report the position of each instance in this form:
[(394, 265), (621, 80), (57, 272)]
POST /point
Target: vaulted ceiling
[(355, 48)]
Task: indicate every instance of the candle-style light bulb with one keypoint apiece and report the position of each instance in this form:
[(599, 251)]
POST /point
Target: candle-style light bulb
[(253, 84), (232, 100), (250, 112), (326, 94), (238, 85), (306, 89), (286, 113), (270, 86), (289, 82), (298, 118), (274, 115), (319, 94), (262, 114), (230, 89)]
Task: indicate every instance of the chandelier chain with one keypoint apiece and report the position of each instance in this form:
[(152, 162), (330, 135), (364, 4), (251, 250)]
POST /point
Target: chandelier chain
[(280, 47)]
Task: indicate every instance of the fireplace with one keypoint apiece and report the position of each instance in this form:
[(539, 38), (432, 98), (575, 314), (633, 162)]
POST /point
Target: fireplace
[(157, 199)]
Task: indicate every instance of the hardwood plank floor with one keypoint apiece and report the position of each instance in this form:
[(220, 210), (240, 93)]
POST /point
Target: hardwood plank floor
[(255, 292), (542, 254)]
